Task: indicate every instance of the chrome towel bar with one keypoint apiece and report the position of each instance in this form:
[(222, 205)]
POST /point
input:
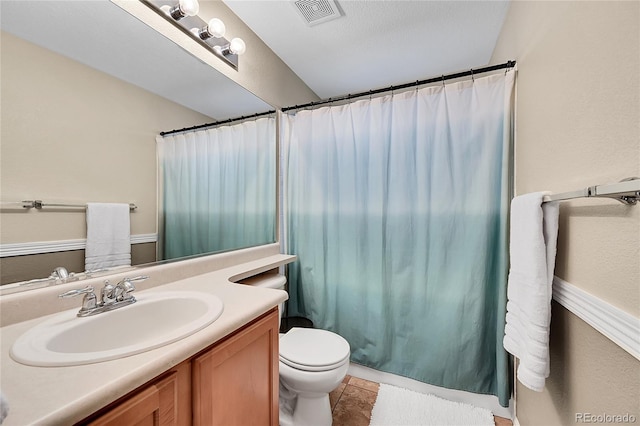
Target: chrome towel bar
[(627, 191), (39, 204)]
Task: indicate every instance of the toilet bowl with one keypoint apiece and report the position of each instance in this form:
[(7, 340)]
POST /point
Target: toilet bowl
[(312, 363)]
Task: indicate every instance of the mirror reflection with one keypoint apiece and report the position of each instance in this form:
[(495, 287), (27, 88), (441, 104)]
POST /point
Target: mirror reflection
[(86, 89), (218, 188)]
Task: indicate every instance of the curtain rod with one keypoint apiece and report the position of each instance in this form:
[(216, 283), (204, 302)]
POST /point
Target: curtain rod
[(471, 72), (217, 123)]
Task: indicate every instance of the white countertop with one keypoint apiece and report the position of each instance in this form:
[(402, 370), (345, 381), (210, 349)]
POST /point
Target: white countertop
[(64, 395)]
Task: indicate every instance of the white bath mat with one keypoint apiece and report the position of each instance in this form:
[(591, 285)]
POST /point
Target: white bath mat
[(402, 407)]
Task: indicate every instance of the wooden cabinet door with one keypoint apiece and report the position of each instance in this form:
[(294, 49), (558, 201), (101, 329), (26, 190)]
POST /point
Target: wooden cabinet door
[(236, 382), (165, 402)]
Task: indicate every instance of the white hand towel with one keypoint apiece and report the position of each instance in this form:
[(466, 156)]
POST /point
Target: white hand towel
[(532, 251), (108, 236)]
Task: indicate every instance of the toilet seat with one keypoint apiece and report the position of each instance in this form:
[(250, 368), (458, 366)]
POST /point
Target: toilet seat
[(310, 349)]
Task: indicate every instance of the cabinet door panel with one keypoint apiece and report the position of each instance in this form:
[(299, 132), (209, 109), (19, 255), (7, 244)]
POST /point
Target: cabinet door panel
[(236, 382), (154, 405)]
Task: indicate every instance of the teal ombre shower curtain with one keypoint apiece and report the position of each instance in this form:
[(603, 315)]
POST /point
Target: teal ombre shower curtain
[(218, 188), (397, 210)]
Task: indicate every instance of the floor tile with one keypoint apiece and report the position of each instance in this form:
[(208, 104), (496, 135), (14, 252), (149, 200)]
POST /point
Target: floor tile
[(334, 396), (364, 384), (354, 407), (501, 421)]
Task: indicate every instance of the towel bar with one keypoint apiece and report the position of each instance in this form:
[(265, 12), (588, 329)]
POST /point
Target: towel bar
[(627, 191), (39, 204)]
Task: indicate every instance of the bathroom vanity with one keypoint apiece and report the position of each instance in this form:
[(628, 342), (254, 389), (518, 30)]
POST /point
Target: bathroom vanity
[(233, 382), (226, 373)]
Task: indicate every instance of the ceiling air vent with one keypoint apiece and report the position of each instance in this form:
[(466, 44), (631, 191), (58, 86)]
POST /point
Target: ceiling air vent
[(316, 12)]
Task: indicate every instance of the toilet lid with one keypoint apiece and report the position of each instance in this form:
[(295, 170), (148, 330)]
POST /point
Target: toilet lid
[(311, 349)]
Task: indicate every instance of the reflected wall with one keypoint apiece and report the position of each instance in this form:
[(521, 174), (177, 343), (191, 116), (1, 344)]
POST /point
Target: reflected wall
[(73, 134)]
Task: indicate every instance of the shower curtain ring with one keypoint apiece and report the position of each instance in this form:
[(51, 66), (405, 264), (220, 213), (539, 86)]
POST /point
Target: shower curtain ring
[(442, 80), (473, 80)]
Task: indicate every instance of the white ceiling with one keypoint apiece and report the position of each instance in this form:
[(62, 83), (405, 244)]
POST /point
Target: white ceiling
[(374, 44), (377, 43), (133, 52)]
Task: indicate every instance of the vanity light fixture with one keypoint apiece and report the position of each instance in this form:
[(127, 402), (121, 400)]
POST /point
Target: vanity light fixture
[(210, 35)]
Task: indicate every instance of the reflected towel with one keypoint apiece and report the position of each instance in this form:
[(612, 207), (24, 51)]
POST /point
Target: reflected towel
[(532, 251), (108, 236)]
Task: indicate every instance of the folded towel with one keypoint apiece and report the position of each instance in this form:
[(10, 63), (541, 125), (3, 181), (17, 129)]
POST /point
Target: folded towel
[(108, 236), (532, 251)]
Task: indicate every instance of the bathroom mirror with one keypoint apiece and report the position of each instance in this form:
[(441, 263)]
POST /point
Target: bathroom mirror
[(86, 87)]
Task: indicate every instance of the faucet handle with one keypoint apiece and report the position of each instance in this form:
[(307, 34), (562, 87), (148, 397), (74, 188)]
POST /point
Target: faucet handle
[(88, 302), (125, 286), (77, 292)]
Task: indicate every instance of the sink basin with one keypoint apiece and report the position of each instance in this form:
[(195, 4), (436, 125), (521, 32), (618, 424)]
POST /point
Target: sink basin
[(156, 319)]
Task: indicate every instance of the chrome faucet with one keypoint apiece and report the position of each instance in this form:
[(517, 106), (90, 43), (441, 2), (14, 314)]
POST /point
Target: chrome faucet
[(111, 296)]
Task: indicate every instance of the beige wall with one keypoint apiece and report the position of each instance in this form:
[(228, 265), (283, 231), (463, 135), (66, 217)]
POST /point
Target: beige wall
[(578, 124), (72, 134)]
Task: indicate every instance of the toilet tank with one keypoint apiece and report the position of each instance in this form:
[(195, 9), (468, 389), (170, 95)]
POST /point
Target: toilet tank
[(268, 280)]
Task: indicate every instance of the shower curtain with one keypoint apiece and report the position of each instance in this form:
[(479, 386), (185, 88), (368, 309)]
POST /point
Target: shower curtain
[(218, 188), (397, 210)]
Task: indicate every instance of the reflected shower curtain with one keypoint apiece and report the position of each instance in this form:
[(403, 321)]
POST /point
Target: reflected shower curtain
[(218, 188), (397, 210)]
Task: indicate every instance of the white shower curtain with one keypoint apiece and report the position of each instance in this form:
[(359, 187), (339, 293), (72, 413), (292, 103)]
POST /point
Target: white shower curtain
[(397, 210)]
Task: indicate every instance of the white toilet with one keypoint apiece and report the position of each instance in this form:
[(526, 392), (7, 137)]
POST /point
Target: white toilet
[(312, 363)]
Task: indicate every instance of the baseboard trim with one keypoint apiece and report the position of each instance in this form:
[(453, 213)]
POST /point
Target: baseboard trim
[(41, 247), (620, 327), (489, 402)]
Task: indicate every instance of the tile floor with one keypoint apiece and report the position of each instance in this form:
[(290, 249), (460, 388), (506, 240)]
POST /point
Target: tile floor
[(352, 402)]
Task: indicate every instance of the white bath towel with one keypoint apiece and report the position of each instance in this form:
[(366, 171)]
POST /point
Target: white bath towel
[(532, 251), (108, 236)]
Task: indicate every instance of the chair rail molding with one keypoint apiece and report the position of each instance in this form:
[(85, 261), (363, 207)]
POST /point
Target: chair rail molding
[(617, 325), (41, 247)]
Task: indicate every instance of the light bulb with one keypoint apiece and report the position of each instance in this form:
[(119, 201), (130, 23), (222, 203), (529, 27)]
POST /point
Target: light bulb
[(184, 8), (237, 46), (189, 7), (216, 28)]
